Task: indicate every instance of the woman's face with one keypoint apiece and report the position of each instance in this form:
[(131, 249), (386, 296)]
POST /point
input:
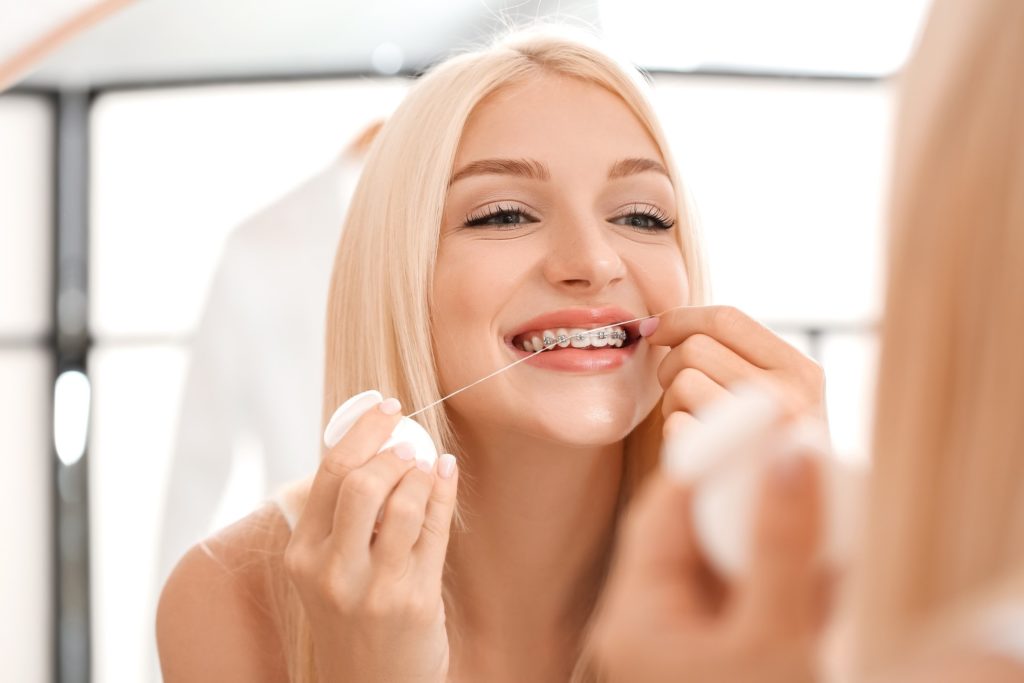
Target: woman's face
[(559, 217)]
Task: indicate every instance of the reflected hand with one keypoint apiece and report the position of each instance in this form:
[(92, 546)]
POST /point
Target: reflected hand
[(665, 616), (373, 597)]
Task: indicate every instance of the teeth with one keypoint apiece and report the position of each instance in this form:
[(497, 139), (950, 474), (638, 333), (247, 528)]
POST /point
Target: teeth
[(563, 337), (577, 337)]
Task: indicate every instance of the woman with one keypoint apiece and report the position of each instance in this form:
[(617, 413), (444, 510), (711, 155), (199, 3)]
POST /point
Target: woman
[(518, 192), (939, 594)]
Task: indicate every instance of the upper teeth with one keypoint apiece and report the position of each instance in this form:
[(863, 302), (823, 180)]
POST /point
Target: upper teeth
[(577, 337)]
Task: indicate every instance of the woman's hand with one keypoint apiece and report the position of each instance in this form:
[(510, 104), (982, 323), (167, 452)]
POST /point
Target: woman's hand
[(373, 597), (715, 347), (665, 616)]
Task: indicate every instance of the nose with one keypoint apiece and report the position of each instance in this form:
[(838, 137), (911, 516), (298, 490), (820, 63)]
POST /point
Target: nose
[(581, 257)]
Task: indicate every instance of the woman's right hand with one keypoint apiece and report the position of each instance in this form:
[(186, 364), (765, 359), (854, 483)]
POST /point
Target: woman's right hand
[(373, 598)]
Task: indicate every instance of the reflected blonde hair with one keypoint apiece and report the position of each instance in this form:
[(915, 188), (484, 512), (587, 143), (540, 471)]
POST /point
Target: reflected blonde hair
[(378, 317), (947, 513)]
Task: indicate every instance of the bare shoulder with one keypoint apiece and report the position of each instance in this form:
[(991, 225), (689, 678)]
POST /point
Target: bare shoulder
[(218, 617)]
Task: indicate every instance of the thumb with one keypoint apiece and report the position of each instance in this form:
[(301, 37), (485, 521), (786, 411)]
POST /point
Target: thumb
[(657, 537), (782, 587)]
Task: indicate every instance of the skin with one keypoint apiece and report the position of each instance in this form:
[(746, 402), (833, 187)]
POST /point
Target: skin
[(541, 451)]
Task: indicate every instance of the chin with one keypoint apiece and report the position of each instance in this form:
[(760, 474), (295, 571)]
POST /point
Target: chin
[(592, 424)]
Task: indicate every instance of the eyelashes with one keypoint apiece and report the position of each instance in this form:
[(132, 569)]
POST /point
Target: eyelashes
[(639, 217)]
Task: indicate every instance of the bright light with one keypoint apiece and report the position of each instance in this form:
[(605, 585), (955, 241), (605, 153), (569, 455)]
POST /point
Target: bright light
[(388, 59), (840, 37), (71, 398)]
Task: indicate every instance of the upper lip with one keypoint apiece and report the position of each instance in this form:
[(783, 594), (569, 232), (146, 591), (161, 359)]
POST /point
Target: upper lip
[(586, 318)]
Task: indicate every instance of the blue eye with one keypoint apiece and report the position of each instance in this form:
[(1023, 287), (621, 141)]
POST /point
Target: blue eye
[(645, 219), (500, 217)]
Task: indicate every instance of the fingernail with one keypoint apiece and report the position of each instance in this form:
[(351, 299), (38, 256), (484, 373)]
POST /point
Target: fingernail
[(425, 465), (404, 451), (446, 466), (648, 326), (390, 406)]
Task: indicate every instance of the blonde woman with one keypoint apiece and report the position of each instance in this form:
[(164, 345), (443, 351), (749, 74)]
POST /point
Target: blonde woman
[(519, 189), (938, 596)]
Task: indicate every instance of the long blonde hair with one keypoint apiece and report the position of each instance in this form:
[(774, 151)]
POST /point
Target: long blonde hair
[(947, 511), (378, 316)]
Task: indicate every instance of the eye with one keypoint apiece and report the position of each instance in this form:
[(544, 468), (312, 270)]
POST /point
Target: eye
[(645, 218), (502, 217)]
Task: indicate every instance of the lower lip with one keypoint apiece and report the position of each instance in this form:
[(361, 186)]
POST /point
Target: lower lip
[(579, 360)]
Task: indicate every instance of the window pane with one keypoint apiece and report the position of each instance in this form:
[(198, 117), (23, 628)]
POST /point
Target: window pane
[(135, 404), (26, 525), (174, 171), (850, 362), (26, 183), (788, 180)]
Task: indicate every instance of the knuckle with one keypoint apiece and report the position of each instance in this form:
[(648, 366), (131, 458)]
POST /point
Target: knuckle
[(335, 463), (726, 318), (335, 594), (687, 379), (295, 560), (362, 484), (697, 346), (437, 529), (404, 511)]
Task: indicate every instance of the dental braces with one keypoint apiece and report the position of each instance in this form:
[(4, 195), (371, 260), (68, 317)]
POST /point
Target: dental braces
[(526, 358), (581, 336)]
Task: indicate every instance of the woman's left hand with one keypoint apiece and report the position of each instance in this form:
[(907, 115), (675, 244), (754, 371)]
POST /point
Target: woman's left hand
[(665, 616), (716, 347)]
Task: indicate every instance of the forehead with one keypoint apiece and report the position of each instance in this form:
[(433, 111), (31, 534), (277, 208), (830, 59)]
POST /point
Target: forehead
[(559, 120)]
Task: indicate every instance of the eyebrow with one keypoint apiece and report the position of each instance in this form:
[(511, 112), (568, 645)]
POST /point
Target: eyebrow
[(535, 170)]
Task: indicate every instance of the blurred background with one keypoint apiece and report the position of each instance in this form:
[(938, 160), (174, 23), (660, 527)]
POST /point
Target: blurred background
[(173, 177)]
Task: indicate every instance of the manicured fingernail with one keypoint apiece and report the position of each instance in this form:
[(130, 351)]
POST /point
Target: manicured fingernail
[(648, 326), (404, 451), (446, 466), (425, 465), (390, 406)]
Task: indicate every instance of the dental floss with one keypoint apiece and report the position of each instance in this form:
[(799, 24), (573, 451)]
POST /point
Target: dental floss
[(539, 351), (412, 432)]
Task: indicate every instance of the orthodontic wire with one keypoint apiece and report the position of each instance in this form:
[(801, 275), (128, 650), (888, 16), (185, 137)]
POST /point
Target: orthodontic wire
[(526, 358)]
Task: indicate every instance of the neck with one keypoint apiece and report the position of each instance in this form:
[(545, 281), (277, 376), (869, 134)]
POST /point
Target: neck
[(527, 568)]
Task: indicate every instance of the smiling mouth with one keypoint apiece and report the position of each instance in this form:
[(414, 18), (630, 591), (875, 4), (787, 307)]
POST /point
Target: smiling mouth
[(598, 337)]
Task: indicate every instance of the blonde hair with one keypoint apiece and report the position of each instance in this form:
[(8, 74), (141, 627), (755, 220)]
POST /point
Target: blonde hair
[(378, 317), (947, 511)]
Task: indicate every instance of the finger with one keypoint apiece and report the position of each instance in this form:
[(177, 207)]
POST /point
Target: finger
[(404, 514), (658, 546), (711, 357), (730, 326), (782, 586), (363, 493), (678, 421), (432, 545), (362, 441), (691, 391)]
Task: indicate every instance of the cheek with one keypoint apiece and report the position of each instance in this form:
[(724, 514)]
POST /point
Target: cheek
[(662, 279), (470, 288)]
